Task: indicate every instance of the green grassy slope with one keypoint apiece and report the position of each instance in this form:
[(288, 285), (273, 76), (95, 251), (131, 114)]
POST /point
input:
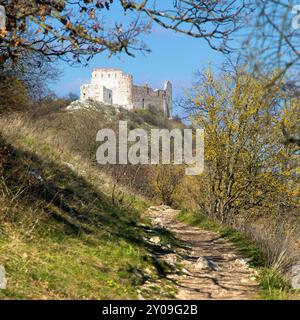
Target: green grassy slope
[(60, 235)]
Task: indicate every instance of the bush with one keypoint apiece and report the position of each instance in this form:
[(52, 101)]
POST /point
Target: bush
[(13, 94)]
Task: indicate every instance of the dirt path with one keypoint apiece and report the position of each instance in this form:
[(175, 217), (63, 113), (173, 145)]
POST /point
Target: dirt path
[(220, 273)]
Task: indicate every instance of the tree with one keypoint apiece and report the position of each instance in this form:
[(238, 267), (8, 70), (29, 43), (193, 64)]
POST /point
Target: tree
[(167, 180), (34, 70), (25, 81), (274, 37), (246, 164), (71, 29), (14, 95), (273, 42)]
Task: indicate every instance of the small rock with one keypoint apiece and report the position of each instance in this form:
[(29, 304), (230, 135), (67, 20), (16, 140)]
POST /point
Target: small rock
[(171, 259), (155, 240), (142, 225), (36, 175), (241, 262), (140, 297), (164, 207), (153, 208), (243, 280), (204, 263), (172, 211), (229, 256), (185, 271), (148, 271), (158, 222)]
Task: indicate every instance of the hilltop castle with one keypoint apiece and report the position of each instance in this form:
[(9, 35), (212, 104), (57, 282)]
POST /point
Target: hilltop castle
[(113, 87)]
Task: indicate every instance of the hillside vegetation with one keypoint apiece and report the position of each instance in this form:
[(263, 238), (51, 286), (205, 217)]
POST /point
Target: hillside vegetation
[(61, 234), (72, 229), (251, 178)]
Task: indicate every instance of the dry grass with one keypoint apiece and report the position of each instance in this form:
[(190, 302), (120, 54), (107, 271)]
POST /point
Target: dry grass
[(60, 235)]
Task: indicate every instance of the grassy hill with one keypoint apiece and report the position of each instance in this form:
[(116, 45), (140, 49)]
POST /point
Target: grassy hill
[(71, 229), (61, 236)]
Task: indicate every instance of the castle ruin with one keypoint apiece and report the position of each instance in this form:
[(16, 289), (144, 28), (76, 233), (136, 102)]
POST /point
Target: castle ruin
[(114, 87)]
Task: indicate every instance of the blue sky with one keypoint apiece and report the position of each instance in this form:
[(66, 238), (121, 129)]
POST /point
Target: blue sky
[(173, 57)]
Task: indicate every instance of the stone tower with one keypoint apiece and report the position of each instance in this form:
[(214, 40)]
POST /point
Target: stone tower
[(167, 104)]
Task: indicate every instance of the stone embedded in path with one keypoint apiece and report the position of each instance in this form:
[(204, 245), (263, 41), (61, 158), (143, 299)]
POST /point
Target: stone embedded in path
[(153, 208), (157, 222), (159, 208), (229, 256), (155, 240), (219, 263), (140, 297), (242, 262), (185, 271), (171, 259), (204, 263)]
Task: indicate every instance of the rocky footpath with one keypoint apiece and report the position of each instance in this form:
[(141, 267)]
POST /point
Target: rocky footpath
[(205, 265)]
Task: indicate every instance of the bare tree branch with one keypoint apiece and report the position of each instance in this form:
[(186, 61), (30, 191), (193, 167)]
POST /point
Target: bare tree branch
[(73, 29)]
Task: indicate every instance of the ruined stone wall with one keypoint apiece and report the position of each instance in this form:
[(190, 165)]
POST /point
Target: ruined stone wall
[(144, 97), (114, 87), (96, 92), (168, 102), (119, 83), (107, 96)]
